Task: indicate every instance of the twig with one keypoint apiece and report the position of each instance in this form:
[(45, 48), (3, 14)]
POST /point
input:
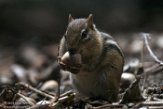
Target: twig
[(155, 107), (108, 106), (148, 103), (146, 37), (145, 74), (35, 90), (127, 92), (55, 100), (153, 69), (152, 103), (66, 96), (63, 97), (67, 93), (26, 99), (38, 106)]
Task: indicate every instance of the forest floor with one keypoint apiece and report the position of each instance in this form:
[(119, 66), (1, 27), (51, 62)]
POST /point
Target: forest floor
[(30, 75)]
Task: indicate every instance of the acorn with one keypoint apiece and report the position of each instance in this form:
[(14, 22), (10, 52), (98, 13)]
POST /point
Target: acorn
[(65, 59)]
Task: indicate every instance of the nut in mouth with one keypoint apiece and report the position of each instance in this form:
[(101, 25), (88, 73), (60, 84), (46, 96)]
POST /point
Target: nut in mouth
[(70, 63)]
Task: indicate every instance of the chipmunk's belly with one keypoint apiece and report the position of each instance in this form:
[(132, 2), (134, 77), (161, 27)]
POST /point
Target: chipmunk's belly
[(91, 85)]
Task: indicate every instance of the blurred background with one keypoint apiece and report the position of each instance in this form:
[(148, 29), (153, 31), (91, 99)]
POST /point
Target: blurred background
[(30, 31), (44, 21)]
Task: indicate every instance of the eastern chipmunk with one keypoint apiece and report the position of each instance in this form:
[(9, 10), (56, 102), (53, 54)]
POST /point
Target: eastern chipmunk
[(93, 58)]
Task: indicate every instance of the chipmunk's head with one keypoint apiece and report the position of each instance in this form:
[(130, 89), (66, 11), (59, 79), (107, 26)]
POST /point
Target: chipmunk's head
[(79, 33)]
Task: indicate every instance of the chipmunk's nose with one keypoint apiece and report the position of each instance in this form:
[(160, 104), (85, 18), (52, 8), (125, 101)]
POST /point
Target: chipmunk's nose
[(72, 51)]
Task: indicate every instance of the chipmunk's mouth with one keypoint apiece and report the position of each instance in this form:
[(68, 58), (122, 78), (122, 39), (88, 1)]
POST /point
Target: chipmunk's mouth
[(70, 63)]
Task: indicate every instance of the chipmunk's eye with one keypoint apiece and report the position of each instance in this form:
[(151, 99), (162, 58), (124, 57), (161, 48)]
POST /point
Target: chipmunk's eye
[(84, 33)]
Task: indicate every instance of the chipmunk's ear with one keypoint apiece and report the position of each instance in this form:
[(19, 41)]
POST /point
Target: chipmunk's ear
[(70, 18), (90, 21)]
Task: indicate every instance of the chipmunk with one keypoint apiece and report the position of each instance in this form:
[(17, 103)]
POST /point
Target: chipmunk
[(94, 59)]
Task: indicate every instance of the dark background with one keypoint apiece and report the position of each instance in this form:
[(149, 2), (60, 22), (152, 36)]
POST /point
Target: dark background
[(44, 21)]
